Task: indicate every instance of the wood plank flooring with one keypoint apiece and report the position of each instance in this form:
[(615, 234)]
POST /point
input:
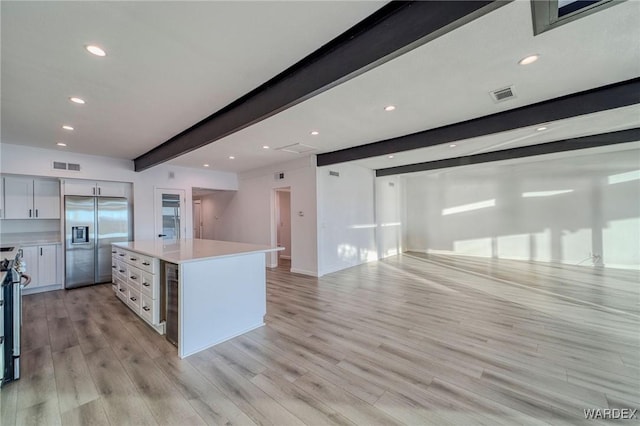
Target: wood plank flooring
[(412, 339)]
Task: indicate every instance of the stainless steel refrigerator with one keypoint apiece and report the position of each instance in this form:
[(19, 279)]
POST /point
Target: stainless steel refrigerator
[(91, 225)]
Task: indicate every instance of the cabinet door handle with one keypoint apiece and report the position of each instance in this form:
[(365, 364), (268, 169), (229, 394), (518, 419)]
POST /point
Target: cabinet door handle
[(133, 259), (133, 277), (99, 191), (145, 284), (29, 212), (133, 299), (36, 212), (146, 263), (120, 254), (146, 308), (93, 191), (121, 271), (40, 249)]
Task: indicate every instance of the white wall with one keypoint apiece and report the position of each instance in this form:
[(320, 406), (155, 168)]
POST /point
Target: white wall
[(17, 159), (390, 218), (346, 220), (250, 215), (597, 217)]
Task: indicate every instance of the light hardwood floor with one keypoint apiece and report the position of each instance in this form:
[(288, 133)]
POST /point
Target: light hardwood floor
[(413, 339)]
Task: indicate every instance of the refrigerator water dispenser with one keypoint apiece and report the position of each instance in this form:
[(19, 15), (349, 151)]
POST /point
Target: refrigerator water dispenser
[(79, 235)]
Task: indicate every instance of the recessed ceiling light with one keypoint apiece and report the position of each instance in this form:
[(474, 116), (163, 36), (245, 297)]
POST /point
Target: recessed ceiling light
[(205, 165), (539, 129), (265, 146), (67, 127), (95, 50), (453, 145), (389, 156), (231, 157), (61, 144), (315, 133), (389, 107), (76, 100), (529, 59)]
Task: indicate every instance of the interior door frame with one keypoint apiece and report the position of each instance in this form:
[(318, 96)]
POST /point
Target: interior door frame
[(157, 210), (275, 216)]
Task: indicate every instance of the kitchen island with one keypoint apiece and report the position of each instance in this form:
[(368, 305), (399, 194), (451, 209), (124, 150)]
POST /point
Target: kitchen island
[(221, 287)]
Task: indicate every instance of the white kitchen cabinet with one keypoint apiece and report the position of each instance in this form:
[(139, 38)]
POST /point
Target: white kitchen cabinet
[(28, 198), (93, 188), (41, 263)]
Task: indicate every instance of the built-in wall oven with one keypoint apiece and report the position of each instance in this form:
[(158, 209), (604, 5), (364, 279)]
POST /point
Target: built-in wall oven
[(11, 317)]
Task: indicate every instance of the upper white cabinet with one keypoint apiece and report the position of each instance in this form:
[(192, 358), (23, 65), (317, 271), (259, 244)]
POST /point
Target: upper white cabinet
[(93, 188), (29, 198)]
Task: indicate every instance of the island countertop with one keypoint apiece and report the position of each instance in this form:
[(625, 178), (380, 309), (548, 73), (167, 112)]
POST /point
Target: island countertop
[(193, 250)]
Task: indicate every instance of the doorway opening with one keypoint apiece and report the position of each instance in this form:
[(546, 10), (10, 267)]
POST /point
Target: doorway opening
[(281, 235), (209, 221)]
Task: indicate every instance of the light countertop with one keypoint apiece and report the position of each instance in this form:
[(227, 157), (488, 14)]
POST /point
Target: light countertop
[(30, 238), (193, 250)]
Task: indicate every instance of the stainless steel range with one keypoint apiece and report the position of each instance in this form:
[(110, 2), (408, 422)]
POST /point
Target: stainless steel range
[(14, 279)]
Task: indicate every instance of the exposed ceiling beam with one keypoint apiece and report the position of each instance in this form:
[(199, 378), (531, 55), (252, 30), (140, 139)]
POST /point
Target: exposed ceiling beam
[(592, 141), (395, 29), (603, 98)]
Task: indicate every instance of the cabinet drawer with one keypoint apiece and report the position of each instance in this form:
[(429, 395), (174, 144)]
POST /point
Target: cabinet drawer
[(149, 309), (148, 264), (134, 277), (123, 291), (149, 285), (134, 300), (121, 270), (120, 253)]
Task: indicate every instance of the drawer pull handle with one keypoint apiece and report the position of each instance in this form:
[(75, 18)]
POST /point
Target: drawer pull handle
[(122, 290), (145, 284), (146, 308), (146, 263), (133, 277), (113, 251), (133, 299), (133, 259), (121, 270), (113, 266), (120, 254)]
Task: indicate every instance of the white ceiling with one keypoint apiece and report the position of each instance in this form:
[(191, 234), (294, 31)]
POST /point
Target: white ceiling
[(171, 64)]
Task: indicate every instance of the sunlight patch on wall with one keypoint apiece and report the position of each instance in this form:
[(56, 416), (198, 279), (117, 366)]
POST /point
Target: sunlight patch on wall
[(514, 246), (624, 177), (469, 207), (620, 241), (576, 245), (534, 194), (474, 247)]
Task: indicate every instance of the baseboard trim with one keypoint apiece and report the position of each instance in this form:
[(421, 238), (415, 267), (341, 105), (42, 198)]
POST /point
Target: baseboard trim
[(304, 272)]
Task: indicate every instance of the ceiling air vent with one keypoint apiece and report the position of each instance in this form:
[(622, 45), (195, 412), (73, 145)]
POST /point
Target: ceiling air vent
[(58, 165), (74, 167), (279, 175), (502, 95), (297, 148)]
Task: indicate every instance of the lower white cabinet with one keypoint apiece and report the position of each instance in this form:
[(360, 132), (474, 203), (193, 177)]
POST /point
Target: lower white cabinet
[(41, 264), (136, 281)]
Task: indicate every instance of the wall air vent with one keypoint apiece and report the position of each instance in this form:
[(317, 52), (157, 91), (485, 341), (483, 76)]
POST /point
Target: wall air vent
[(332, 173), (74, 167), (58, 165), (297, 148), (502, 95)]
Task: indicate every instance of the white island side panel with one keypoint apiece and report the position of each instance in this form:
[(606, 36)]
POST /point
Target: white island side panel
[(220, 299)]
